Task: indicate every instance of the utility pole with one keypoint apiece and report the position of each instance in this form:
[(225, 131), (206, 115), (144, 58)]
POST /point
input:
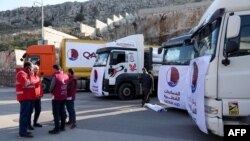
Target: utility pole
[(41, 4)]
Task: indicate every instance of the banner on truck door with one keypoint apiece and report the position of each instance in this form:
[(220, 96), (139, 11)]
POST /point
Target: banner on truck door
[(196, 92), (172, 86), (81, 54), (96, 79)]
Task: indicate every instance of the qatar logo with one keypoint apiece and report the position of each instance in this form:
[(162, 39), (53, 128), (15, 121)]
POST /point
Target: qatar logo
[(72, 54), (173, 76), (194, 77), (89, 55), (95, 76)]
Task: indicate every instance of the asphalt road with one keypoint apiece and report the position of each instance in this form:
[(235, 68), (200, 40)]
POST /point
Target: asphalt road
[(105, 119)]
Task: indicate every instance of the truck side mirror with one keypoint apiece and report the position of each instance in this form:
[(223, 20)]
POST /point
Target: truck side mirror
[(233, 27), (159, 50), (231, 47)]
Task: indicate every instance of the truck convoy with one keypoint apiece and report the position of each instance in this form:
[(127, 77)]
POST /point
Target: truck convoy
[(79, 55), (224, 33), (118, 66)]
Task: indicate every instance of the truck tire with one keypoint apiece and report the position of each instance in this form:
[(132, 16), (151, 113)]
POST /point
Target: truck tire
[(126, 91), (87, 85), (45, 85)]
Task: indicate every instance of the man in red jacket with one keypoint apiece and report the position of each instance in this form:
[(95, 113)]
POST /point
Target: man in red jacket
[(25, 95), (58, 88), (71, 98)]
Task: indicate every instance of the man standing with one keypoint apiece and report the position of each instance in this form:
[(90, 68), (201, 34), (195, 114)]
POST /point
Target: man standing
[(146, 81), (39, 94), (71, 98), (58, 88), (25, 95)]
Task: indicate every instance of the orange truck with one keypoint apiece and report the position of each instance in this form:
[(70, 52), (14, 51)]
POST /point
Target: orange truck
[(77, 54)]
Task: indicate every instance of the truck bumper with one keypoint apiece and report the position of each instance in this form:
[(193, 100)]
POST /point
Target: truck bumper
[(108, 90), (215, 125)]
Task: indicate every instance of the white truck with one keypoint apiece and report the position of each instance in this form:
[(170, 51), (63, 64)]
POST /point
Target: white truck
[(177, 53), (118, 66), (224, 33)]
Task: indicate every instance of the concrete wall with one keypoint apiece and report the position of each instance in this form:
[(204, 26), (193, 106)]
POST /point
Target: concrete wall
[(166, 9), (87, 30), (100, 25), (109, 21), (158, 25), (9, 60), (55, 37)]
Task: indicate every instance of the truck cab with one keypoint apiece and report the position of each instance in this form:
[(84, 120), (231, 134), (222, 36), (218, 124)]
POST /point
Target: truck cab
[(177, 53), (224, 33), (45, 57), (117, 68)]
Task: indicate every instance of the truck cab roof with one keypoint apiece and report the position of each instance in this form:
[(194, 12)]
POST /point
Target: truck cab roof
[(223, 6), (176, 41)]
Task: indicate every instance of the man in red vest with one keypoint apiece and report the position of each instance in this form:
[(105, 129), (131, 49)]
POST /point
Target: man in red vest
[(71, 98), (38, 94), (25, 95), (58, 88)]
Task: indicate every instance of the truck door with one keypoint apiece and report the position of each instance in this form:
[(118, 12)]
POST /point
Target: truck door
[(118, 65), (234, 79)]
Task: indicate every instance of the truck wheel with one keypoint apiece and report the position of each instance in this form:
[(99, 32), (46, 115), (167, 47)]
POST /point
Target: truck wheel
[(45, 85), (87, 85), (126, 92)]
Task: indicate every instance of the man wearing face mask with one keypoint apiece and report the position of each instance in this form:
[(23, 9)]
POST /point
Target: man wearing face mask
[(25, 95)]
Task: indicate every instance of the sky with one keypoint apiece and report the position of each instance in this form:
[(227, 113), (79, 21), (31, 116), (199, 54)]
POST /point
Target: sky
[(13, 4)]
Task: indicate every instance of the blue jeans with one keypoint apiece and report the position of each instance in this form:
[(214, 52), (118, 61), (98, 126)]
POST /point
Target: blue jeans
[(30, 113), (26, 107), (71, 110)]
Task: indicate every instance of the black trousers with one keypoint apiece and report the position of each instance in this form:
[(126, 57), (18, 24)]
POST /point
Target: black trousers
[(58, 107), (145, 96), (37, 107)]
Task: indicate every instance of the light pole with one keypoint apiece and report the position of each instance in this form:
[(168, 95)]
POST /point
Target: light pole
[(41, 4)]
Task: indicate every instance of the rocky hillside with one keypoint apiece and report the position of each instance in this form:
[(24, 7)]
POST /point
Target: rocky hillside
[(157, 24), (67, 14)]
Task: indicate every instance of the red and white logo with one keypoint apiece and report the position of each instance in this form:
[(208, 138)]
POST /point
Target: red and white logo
[(72, 54), (173, 76), (132, 67)]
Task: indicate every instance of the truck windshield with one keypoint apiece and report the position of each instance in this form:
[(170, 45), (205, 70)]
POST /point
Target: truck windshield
[(101, 59), (206, 40), (178, 55)]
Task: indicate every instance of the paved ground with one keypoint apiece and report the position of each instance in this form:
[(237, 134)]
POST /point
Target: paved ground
[(104, 119)]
